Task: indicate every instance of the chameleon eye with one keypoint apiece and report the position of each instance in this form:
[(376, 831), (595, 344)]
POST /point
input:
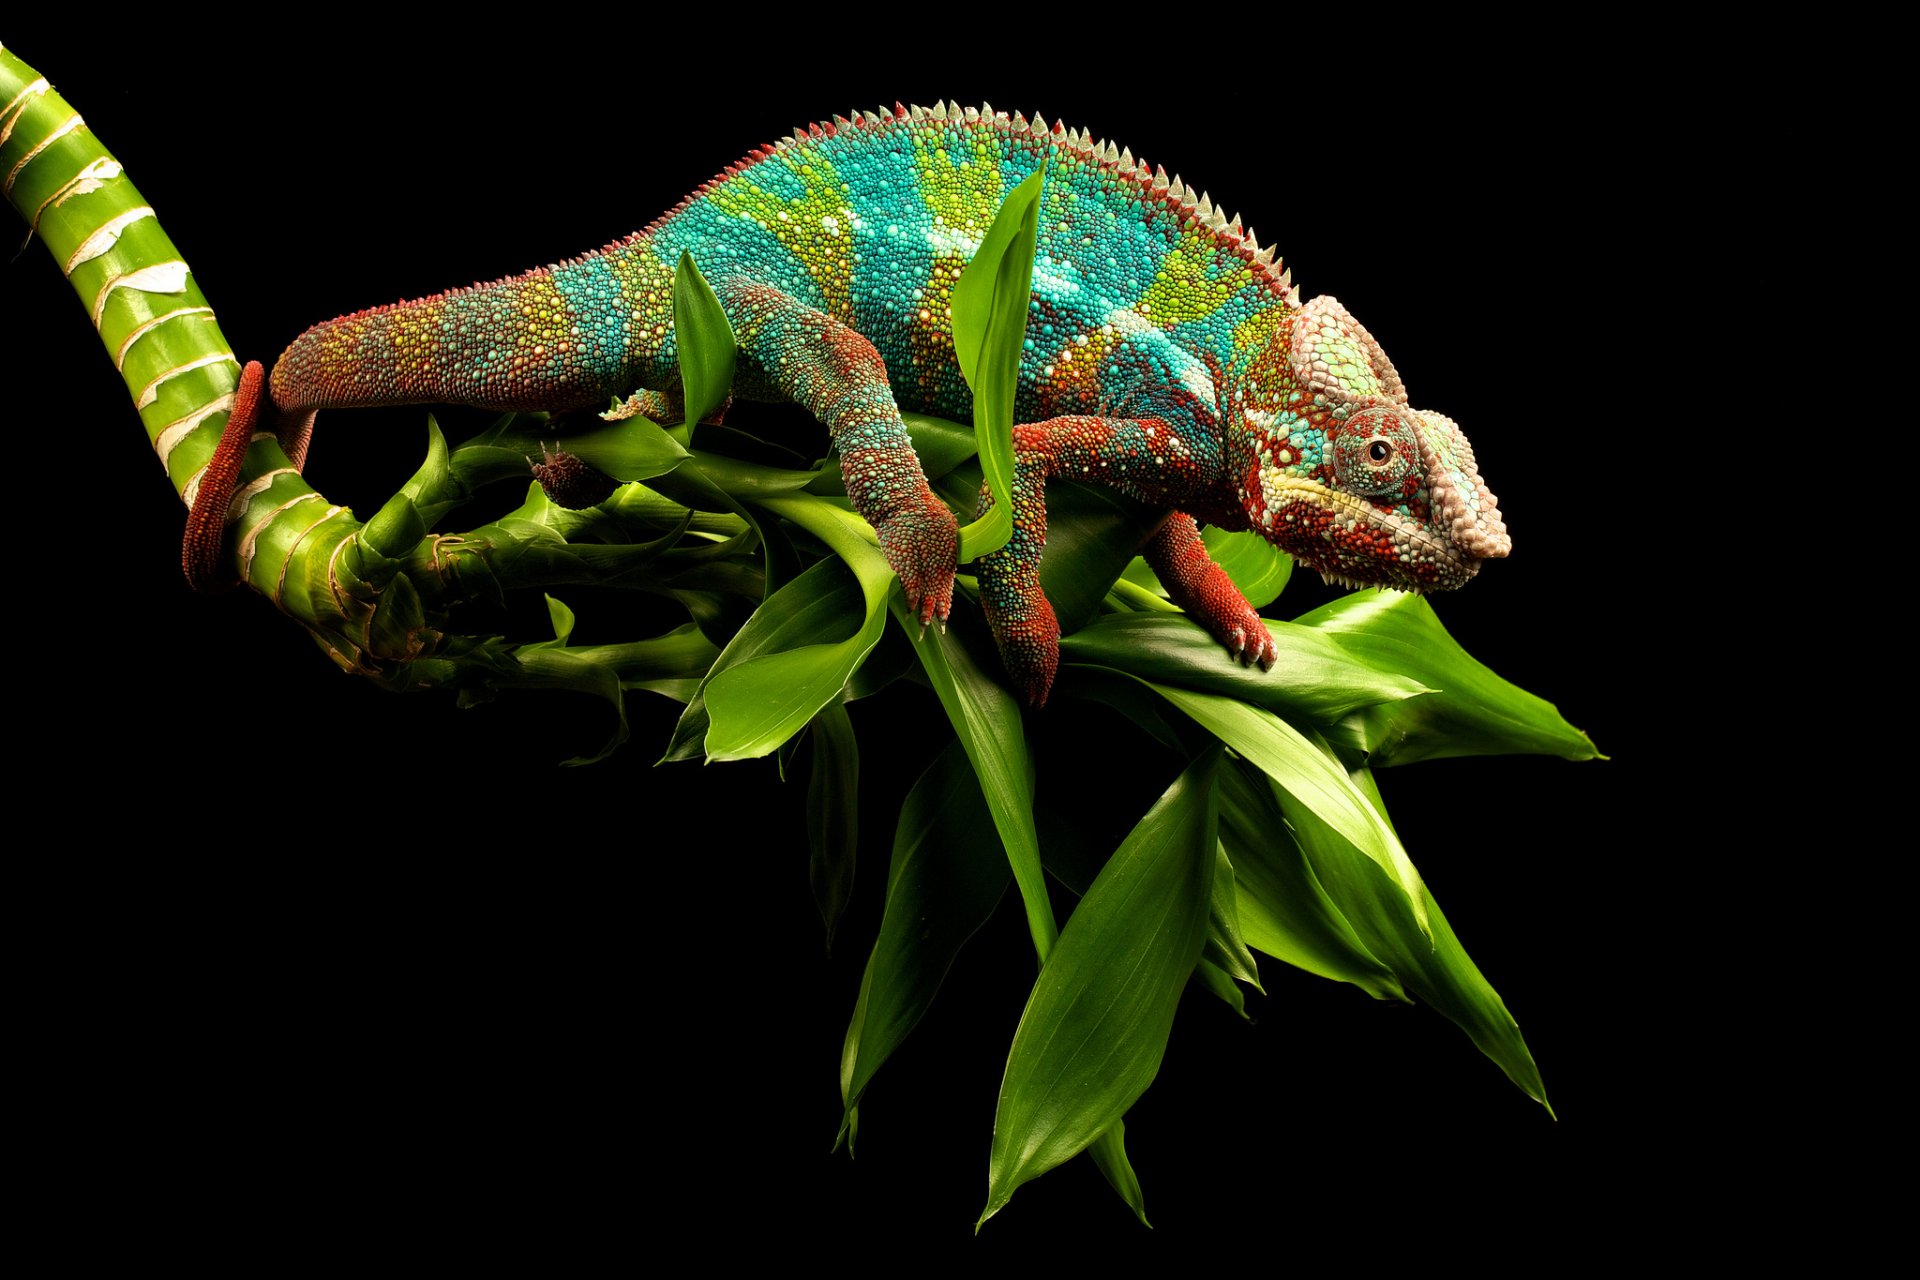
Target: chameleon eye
[(1376, 452)]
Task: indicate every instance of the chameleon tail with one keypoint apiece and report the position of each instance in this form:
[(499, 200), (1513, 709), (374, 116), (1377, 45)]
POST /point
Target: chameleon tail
[(212, 492)]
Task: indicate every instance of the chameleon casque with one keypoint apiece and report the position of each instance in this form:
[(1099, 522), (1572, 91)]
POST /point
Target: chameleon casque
[(1168, 356)]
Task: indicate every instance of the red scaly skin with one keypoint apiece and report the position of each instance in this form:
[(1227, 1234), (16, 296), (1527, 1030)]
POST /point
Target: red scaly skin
[(1180, 560)]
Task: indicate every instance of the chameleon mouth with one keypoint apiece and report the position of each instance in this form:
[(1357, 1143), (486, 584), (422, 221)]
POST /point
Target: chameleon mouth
[(1351, 542)]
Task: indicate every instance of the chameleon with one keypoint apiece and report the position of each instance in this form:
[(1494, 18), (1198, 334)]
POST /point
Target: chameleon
[(1168, 355)]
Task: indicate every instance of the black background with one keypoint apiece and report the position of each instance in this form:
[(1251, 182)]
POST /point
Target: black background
[(324, 958)]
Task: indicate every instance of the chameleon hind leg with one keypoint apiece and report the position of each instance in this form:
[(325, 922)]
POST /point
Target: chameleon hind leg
[(798, 353), (1141, 457)]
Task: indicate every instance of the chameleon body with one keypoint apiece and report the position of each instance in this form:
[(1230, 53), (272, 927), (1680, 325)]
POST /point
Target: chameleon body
[(1167, 356)]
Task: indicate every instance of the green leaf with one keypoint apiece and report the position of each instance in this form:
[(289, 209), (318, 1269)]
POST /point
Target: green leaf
[(939, 443), (1096, 1025), (810, 612), (1214, 980), (987, 720), (1282, 909), (432, 488), (1314, 680), (1423, 952), (990, 302), (672, 663), (1109, 1155), (1472, 711), (748, 481), (395, 528), (756, 705), (703, 343), (1225, 947), (1304, 772), (946, 876), (833, 809), (1256, 566), (562, 618), (544, 666), (1091, 534)]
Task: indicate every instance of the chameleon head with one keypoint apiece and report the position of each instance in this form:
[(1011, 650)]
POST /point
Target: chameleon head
[(1347, 478)]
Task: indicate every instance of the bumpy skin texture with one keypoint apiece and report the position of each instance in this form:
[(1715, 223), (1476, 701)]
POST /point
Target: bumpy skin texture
[(1168, 356)]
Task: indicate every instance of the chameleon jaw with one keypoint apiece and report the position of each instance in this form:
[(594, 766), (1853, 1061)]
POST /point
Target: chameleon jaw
[(1318, 525)]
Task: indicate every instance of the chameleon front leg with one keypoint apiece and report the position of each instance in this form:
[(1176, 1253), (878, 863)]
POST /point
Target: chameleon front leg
[(1201, 587), (804, 355), (1143, 458)]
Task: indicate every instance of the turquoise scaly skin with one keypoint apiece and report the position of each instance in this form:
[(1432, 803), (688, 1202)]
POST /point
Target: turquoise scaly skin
[(1167, 356)]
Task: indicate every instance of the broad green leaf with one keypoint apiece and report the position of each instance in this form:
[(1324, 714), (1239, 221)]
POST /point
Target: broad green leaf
[(1425, 954), (703, 342), (1304, 772), (990, 301), (1282, 909), (1314, 680), (748, 481), (1225, 946), (812, 611), (946, 876), (1472, 711), (987, 720), (1096, 1025), (833, 810), (1091, 534), (755, 706), (1256, 566)]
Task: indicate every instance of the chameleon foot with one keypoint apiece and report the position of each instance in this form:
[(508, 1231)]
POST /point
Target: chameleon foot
[(922, 541), (1179, 558), (1030, 649)]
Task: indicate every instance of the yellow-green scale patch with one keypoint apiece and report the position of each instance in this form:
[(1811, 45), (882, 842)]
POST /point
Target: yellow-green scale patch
[(1193, 281), (1256, 332), (540, 337), (646, 293), (959, 181), (816, 226)]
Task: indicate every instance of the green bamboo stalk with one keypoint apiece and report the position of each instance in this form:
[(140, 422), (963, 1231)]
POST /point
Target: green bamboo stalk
[(374, 595), (156, 325)]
